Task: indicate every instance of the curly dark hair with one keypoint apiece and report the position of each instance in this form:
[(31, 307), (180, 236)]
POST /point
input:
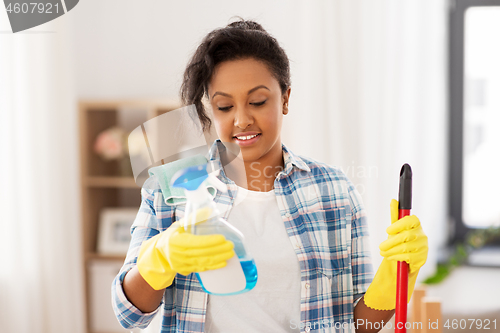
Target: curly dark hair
[(238, 40)]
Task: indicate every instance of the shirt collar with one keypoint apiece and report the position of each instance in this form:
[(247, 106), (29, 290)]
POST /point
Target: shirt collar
[(289, 158)]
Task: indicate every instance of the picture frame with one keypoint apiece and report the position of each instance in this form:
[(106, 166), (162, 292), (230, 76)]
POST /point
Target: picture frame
[(114, 230)]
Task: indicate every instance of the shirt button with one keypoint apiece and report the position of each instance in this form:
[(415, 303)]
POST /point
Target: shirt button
[(287, 215), (307, 285), (307, 329), (297, 245)]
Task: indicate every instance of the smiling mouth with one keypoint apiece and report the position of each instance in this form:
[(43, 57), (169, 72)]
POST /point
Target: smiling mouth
[(246, 137)]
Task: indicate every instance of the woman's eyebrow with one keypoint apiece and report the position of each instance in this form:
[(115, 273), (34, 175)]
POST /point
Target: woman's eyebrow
[(249, 92)]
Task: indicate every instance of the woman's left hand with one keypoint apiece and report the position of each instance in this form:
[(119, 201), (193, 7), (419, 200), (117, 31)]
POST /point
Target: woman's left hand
[(406, 241)]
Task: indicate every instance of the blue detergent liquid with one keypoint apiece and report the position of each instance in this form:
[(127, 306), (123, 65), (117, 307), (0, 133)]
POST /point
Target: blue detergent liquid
[(250, 271)]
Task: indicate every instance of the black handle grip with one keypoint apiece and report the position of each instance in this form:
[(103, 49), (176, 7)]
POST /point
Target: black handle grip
[(405, 187)]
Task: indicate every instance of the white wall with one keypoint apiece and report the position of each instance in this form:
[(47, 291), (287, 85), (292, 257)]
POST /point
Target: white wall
[(127, 48)]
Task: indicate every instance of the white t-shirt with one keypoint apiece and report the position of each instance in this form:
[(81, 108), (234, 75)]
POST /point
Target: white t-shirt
[(275, 300)]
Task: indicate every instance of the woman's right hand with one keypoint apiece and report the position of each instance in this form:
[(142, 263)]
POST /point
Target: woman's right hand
[(177, 251)]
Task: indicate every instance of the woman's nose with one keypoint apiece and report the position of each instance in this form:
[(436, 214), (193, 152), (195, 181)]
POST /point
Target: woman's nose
[(242, 118)]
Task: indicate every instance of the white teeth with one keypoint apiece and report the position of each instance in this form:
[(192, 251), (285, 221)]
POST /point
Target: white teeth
[(248, 137)]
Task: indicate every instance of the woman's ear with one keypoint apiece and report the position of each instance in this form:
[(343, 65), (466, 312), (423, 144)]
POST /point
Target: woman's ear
[(285, 98)]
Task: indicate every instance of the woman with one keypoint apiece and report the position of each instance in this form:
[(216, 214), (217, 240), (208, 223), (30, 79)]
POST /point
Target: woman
[(303, 220)]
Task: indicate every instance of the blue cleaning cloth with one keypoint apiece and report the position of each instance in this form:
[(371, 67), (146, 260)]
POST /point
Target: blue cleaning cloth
[(175, 196)]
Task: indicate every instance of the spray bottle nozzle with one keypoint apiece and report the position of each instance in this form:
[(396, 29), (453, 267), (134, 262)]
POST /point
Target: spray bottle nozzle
[(191, 178)]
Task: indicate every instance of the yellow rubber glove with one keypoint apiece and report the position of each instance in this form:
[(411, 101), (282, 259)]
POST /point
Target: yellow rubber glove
[(406, 242), (175, 251)]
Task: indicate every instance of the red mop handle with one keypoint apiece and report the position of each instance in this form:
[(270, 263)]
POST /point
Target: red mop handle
[(402, 289), (405, 194)]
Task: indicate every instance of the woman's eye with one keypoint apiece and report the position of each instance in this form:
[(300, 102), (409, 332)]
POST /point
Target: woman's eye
[(259, 103), (225, 108)]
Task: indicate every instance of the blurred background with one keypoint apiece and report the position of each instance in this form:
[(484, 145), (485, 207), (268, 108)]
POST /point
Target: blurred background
[(375, 84)]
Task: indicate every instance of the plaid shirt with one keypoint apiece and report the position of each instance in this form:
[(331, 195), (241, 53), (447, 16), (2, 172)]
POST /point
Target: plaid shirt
[(325, 221)]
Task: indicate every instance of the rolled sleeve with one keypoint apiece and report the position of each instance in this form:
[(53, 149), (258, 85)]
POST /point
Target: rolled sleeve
[(362, 268), (128, 315), (357, 298), (145, 226)]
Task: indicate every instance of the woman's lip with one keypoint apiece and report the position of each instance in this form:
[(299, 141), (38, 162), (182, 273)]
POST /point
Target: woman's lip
[(244, 143), (246, 134)]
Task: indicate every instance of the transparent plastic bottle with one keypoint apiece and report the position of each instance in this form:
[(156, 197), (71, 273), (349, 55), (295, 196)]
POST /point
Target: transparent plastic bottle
[(240, 273)]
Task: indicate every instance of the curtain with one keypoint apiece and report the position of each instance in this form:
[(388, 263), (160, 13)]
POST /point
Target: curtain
[(368, 95), (41, 271)]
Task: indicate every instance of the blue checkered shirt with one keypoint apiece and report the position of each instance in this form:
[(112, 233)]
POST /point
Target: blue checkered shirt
[(325, 221)]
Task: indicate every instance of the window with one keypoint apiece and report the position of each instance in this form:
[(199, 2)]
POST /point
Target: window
[(474, 73)]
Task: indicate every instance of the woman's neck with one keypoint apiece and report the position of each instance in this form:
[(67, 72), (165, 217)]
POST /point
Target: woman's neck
[(255, 175)]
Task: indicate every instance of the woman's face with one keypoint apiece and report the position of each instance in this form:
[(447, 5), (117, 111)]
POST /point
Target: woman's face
[(248, 108)]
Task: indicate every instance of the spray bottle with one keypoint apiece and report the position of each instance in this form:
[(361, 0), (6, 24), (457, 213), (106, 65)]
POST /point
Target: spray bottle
[(240, 273)]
